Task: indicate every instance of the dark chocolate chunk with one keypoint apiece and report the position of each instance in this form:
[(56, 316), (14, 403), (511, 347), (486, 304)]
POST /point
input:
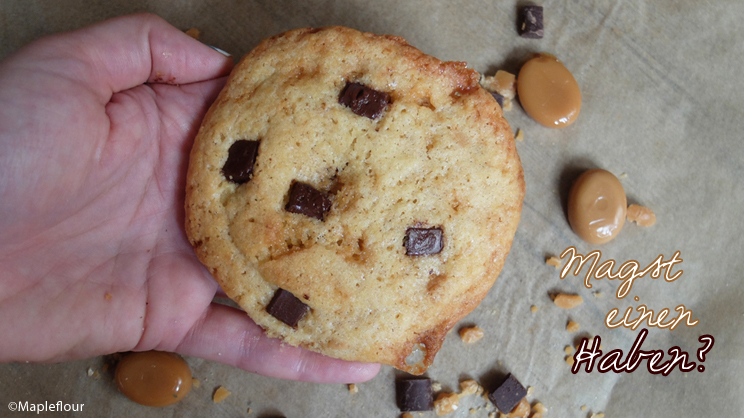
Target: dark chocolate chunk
[(306, 200), (363, 100), (423, 241), (240, 161), (285, 307), (531, 22), (414, 395), (508, 395), (499, 98)]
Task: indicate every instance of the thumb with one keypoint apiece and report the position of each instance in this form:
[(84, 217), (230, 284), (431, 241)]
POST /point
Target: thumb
[(227, 335)]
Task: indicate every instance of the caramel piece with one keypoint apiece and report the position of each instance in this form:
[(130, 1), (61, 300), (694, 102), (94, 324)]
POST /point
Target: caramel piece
[(153, 378), (194, 33), (353, 388), (470, 335), (548, 92), (220, 394), (567, 301), (572, 327), (520, 135), (641, 215), (553, 261), (597, 206)]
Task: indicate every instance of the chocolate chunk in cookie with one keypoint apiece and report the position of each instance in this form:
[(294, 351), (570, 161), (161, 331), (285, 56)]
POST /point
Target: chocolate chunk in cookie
[(240, 161), (307, 200), (423, 241), (499, 98), (363, 100), (285, 307)]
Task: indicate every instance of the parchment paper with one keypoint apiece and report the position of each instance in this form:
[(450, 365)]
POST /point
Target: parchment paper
[(662, 102)]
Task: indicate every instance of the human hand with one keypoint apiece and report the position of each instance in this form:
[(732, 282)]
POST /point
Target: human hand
[(95, 131)]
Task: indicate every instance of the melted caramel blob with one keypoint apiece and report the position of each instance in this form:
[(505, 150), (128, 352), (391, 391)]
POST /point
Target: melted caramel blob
[(548, 92), (596, 206), (153, 378)]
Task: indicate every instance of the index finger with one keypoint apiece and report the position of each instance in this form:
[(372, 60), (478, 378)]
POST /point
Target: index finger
[(124, 52)]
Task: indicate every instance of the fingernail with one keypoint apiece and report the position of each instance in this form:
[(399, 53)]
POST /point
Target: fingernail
[(219, 50)]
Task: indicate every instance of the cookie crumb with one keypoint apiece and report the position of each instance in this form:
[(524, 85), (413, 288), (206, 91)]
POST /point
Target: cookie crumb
[(470, 335), (522, 410), (568, 349), (107, 296), (641, 215), (520, 135), (540, 408), (90, 372), (194, 33), (598, 294), (436, 386), (530, 390), (553, 261), (533, 308), (570, 360), (598, 415), (473, 411), (503, 83), (446, 403), (492, 415), (565, 301), (406, 415), (353, 388), (583, 407), (572, 326), (470, 387), (220, 394), (250, 411), (195, 383)]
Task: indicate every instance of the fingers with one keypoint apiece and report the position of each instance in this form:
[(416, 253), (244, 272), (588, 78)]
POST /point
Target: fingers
[(227, 335), (124, 52)]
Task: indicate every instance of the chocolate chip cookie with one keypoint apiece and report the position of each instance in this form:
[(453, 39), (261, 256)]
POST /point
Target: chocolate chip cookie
[(353, 195)]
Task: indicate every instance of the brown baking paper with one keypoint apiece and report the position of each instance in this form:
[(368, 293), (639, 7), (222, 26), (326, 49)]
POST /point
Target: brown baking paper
[(662, 109)]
